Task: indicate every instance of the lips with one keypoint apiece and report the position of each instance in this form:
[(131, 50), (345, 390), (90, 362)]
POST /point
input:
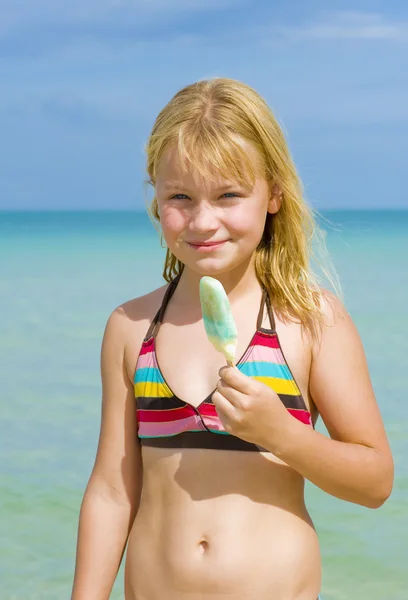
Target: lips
[(206, 246)]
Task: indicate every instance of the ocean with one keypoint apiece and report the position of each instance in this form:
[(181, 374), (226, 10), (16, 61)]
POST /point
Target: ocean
[(61, 275)]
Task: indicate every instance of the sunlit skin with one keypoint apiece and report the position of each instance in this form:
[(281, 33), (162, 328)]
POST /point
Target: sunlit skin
[(195, 211), (213, 226), (222, 523), (217, 524)]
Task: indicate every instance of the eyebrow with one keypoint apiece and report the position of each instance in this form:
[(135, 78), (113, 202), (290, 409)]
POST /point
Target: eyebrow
[(180, 185), (173, 184)]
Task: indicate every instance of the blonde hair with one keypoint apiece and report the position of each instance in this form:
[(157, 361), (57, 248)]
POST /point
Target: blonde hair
[(207, 122)]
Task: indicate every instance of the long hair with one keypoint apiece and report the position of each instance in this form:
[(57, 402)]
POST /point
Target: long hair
[(208, 122)]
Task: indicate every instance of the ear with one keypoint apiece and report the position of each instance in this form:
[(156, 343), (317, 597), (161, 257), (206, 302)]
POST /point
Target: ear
[(157, 207), (275, 200)]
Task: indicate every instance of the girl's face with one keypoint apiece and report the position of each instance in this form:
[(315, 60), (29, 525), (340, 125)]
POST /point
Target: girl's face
[(212, 226)]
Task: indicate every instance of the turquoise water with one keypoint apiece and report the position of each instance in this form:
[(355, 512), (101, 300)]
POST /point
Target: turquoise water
[(61, 274)]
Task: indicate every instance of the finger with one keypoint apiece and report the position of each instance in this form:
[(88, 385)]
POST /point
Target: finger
[(240, 382), (222, 404), (235, 397)]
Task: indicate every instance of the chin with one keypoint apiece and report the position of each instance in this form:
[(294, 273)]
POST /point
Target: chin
[(213, 267)]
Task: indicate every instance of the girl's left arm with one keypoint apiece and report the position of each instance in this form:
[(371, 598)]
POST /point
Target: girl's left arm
[(356, 463)]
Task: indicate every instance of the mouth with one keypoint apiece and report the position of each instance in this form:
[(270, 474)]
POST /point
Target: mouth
[(207, 246)]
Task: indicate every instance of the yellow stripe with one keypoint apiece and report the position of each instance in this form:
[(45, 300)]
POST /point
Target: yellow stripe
[(280, 386), (152, 390)]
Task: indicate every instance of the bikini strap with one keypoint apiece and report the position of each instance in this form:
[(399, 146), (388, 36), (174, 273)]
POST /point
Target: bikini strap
[(266, 300), (157, 321)]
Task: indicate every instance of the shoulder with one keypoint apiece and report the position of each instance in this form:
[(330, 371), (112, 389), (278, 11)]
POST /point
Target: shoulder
[(336, 325), (332, 308), (127, 326), (139, 310)]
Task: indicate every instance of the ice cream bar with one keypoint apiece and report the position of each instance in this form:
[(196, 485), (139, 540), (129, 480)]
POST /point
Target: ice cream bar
[(218, 320)]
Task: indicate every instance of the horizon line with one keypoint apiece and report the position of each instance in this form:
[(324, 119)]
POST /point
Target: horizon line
[(144, 211)]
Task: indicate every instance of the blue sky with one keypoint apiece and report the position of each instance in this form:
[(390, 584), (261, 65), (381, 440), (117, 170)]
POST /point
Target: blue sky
[(81, 82)]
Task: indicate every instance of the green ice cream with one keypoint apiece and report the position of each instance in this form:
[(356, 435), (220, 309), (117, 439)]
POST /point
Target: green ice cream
[(218, 320)]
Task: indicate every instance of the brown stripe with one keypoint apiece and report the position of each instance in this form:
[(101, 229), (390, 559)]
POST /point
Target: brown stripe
[(160, 403), (203, 440), (293, 401)]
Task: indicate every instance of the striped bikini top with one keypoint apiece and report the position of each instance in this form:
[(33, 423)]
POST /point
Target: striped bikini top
[(166, 421)]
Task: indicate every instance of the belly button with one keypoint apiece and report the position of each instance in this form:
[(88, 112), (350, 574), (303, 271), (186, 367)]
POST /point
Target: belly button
[(203, 545)]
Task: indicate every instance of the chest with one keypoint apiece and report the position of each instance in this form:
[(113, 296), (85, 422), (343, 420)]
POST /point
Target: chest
[(190, 364)]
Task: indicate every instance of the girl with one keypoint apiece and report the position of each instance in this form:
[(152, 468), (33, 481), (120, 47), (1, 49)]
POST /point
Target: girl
[(200, 467)]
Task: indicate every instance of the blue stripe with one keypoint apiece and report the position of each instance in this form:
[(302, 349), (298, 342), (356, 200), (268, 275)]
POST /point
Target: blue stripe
[(251, 369), (265, 369), (148, 374)]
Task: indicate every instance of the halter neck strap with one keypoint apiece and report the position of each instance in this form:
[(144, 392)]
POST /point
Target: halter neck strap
[(158, 319), (265, 300)]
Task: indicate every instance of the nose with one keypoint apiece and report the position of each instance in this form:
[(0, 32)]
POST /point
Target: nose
[(203, 218)]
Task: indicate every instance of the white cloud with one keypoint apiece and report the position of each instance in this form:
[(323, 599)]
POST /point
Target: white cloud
[(349, 25)]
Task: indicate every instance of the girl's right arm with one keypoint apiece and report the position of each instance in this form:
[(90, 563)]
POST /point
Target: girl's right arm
[(112, 496)]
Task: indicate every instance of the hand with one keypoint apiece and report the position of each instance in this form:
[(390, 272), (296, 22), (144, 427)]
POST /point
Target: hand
[(249, 409)]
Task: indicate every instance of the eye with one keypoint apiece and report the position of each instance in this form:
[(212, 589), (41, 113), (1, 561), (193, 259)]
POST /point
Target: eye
[(179, 197), (227, 195), (231, 196)]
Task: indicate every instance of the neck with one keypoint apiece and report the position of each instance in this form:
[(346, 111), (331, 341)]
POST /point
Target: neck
[(238, 283)]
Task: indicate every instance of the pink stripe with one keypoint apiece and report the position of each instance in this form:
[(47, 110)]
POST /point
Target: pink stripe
[(168, 414), (266, 354), (210, 417), (265, 339), (147, 347), (170, 428), (146, 360), (301, 415), (213, 423)]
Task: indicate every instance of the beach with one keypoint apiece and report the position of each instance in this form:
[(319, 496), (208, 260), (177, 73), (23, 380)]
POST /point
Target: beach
[(61, 275)]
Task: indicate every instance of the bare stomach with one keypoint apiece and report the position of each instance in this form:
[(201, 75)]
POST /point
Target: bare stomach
[(221, 524)]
